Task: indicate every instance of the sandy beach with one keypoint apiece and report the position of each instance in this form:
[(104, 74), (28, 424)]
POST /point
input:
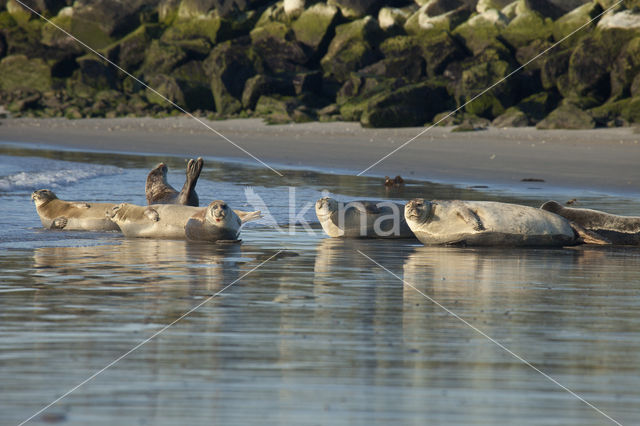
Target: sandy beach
[(601, 160)]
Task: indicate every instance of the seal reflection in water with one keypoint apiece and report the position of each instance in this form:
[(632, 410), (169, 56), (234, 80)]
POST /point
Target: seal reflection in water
[(487, 223), (362, 219), (215, 222), (158, 190), (72, 215)]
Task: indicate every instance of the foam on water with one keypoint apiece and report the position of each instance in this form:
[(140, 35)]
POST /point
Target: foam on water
[(49, 174)]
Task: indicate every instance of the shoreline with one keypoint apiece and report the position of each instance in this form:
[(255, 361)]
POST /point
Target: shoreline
[(598, 160)]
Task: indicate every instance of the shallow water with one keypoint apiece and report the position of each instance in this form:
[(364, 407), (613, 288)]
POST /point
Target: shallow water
[(318, 334)]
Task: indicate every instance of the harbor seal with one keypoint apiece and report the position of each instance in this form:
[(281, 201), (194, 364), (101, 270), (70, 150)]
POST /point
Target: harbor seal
[(623, 230), (159, 191), (212, 223), (71, 215), (488, 223), (362, 219)]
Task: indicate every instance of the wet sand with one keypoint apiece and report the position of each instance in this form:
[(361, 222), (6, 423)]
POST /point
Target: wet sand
[(601, 160)]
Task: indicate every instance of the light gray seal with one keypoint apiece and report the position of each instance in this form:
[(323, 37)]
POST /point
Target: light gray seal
[(159, 191), (488, 223), (623, 230), (362, 219), (212, 223), (72, 215)]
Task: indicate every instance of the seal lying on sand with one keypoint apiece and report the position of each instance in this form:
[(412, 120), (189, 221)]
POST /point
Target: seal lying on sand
[(72, 215), (212, 223), (159, 191), (623, 230), (362, 219), (488, 223)]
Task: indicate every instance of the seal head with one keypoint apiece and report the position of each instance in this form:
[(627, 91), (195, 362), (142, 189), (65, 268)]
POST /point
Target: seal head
[(418, 210)]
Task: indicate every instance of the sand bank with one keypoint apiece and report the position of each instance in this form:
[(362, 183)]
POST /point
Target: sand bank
[(600, 160)]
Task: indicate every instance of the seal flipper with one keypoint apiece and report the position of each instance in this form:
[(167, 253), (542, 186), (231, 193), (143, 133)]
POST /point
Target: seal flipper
[(587, 237), (81, 205), (188, 195), (59, 223), (470, 217), (248, 216), (152, 214)]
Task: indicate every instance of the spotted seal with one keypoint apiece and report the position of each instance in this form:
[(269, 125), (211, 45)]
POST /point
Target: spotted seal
[(159, 191), (212, 223), (71, 215), (362, 219), (623, 230), (488, 223)]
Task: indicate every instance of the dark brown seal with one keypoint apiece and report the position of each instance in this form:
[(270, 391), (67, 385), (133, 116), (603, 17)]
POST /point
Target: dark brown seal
[(623, 230), (159, 191)]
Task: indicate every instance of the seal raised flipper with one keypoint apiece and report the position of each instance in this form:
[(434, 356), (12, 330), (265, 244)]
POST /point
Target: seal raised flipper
[(188, 195), (248, 216), (159, 191), (624, 230)]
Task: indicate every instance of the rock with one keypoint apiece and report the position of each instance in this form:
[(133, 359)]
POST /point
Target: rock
[(315, 26), (97, 22), (393, 17), (482, 31), (512, 117), (625, 69), (308, 82), (546, 8), (129, 52), (47, 8), (260, 85), (230, 64), (293, 8), (96, 73), (356, 93), (276, 110), (472, 124), (482, 72), (194, 34), (588, 77), (52, 36), (276, 45), (422, 23), (395, 68), (575, 19), (567, 116), (412, 105), (195, 84), (617, 113), (352, 48), (18, 12), (167, 87), (486, 5), (553, 66), (539, 105), (622, 20), (439, 51), (225, 8), (168, 10), (355, 9), (162, 58), (527, 26), (17, 71)]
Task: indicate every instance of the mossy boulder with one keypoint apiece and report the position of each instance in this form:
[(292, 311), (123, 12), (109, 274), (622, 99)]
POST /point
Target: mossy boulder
[(129, 52), (395, 67), (529, 111), (197, 33), (18, 71), (553, 66), (21, 14), (427, 21), (315, 26), (480, 73), (526, 27), (567, 116), (482, 31), (195, 85), (390, 18), (617, 113), (355, 9), (97, 73), (485, 5), (575, 19), (164, 86), (589, 67), (260, 85), (99, 22), (283, 109), (225, 8), (353, 47), (356, 93), (412, 105), (162, 58), (230, 65), (625, 69), (52, 36), (275, 43), (512, 117)]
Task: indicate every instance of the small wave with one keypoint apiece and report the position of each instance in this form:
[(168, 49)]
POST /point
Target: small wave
[(54, 178)]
